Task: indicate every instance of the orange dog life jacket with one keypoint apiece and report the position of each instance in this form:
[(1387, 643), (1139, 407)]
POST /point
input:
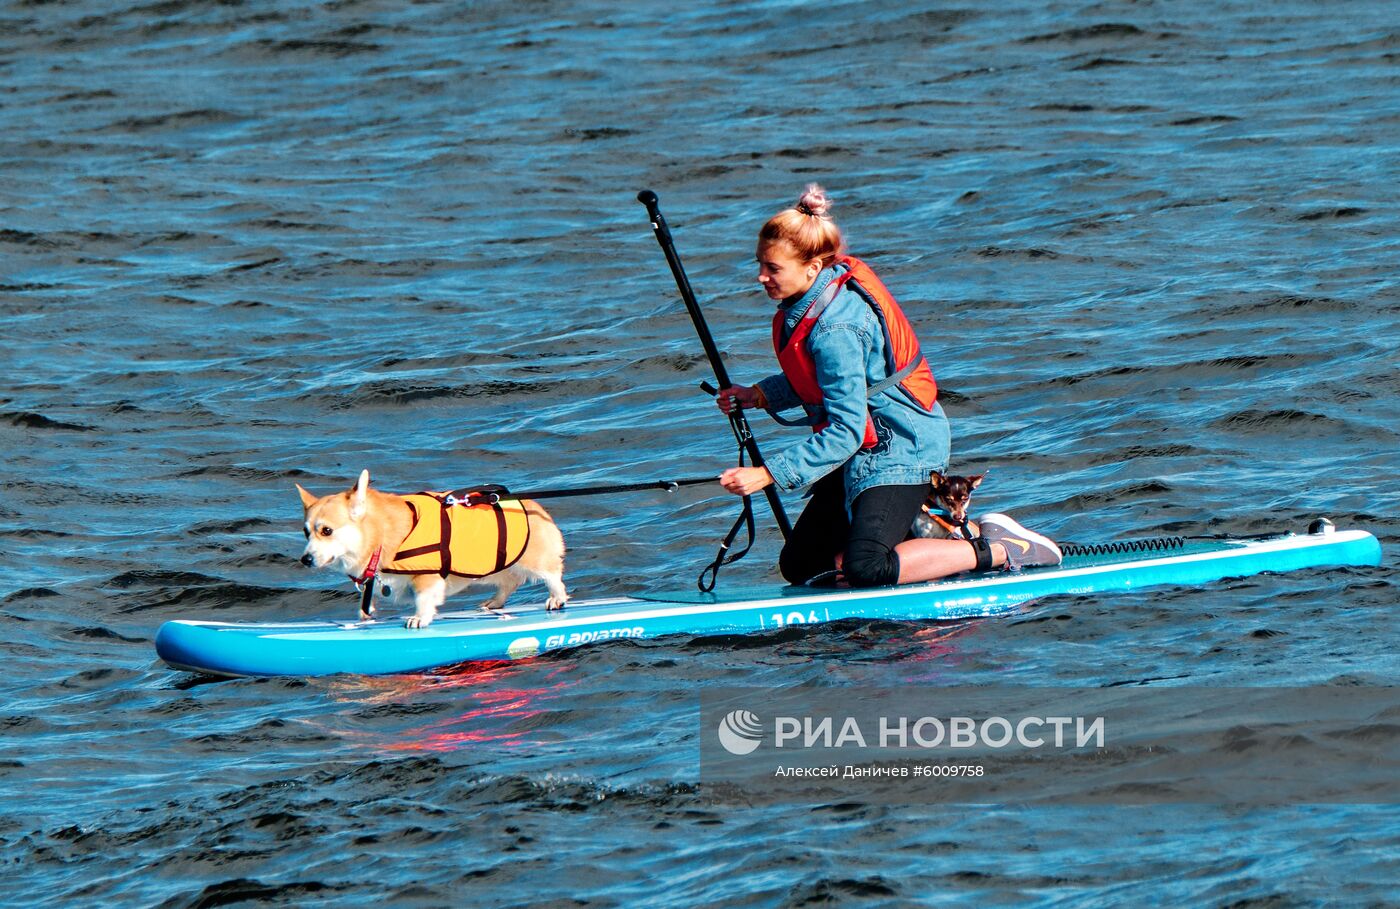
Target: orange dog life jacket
[(908, 368), (469, 541)]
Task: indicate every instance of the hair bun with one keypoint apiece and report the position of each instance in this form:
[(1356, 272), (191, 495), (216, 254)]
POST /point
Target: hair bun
[(814, 202)]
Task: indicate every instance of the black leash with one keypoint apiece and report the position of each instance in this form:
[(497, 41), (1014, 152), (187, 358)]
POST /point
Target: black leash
[(491, 494)]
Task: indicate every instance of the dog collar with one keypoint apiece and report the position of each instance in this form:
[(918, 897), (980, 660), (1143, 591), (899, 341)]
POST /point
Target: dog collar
[(370, 571), (945, 520)]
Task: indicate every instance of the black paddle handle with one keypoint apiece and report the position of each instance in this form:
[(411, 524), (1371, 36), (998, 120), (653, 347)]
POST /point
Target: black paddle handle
[(737, 419)]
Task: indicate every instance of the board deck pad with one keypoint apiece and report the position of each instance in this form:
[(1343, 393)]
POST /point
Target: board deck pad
[(385, 646)]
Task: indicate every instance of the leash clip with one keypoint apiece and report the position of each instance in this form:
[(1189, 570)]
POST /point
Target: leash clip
[(484, 495)]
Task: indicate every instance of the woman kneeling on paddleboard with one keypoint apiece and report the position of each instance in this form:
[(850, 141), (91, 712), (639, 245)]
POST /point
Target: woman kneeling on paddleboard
[(851, 361)]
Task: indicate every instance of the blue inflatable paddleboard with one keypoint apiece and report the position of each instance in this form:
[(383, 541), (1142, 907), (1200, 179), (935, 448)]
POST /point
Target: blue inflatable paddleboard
[(385, 646)]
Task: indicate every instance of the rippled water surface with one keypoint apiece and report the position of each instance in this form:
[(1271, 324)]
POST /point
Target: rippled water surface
[(1150, 247)]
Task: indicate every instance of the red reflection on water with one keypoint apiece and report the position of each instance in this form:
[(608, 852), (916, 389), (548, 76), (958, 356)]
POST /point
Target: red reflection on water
[(937, 640), (496, 703), (938, 647), (941, 645)]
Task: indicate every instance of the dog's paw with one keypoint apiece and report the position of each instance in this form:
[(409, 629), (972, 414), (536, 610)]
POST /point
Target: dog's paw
[(555, 603), (418, 621)]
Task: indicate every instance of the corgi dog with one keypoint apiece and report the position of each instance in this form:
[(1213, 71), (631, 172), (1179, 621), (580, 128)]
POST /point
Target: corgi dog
[(943, 515), (450, 546)]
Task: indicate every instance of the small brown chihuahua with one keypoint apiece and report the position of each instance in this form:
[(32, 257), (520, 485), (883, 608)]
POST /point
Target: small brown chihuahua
[(944, 513)]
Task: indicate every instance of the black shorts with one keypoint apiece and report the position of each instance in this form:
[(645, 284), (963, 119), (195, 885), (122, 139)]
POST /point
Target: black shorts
[(880, 520)]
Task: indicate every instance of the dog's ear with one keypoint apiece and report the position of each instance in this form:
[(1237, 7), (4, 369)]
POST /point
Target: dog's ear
[(307, 499), (975, 480), (935, 478), (357, 496)]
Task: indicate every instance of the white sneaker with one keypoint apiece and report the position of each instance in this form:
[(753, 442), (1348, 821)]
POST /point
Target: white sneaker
[(1024, 549)]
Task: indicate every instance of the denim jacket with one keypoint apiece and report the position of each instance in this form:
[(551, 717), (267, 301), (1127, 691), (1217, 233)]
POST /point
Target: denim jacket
[(848, 347)]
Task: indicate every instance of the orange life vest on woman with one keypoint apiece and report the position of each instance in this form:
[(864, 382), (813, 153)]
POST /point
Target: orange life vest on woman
[(469, 541), (908, 368)]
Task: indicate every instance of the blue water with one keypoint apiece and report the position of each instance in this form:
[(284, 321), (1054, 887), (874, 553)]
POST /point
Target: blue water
[(1150, 247)]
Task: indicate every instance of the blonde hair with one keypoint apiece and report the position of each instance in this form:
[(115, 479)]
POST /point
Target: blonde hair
[(807, 227)]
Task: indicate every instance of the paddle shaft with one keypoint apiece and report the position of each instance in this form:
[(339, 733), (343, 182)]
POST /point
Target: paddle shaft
[(737, 419)]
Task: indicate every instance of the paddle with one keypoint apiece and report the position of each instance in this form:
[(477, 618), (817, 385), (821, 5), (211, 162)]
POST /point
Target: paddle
[(737, 420)]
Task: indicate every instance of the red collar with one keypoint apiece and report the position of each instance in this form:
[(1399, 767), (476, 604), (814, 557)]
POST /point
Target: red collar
[(370, 570)]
